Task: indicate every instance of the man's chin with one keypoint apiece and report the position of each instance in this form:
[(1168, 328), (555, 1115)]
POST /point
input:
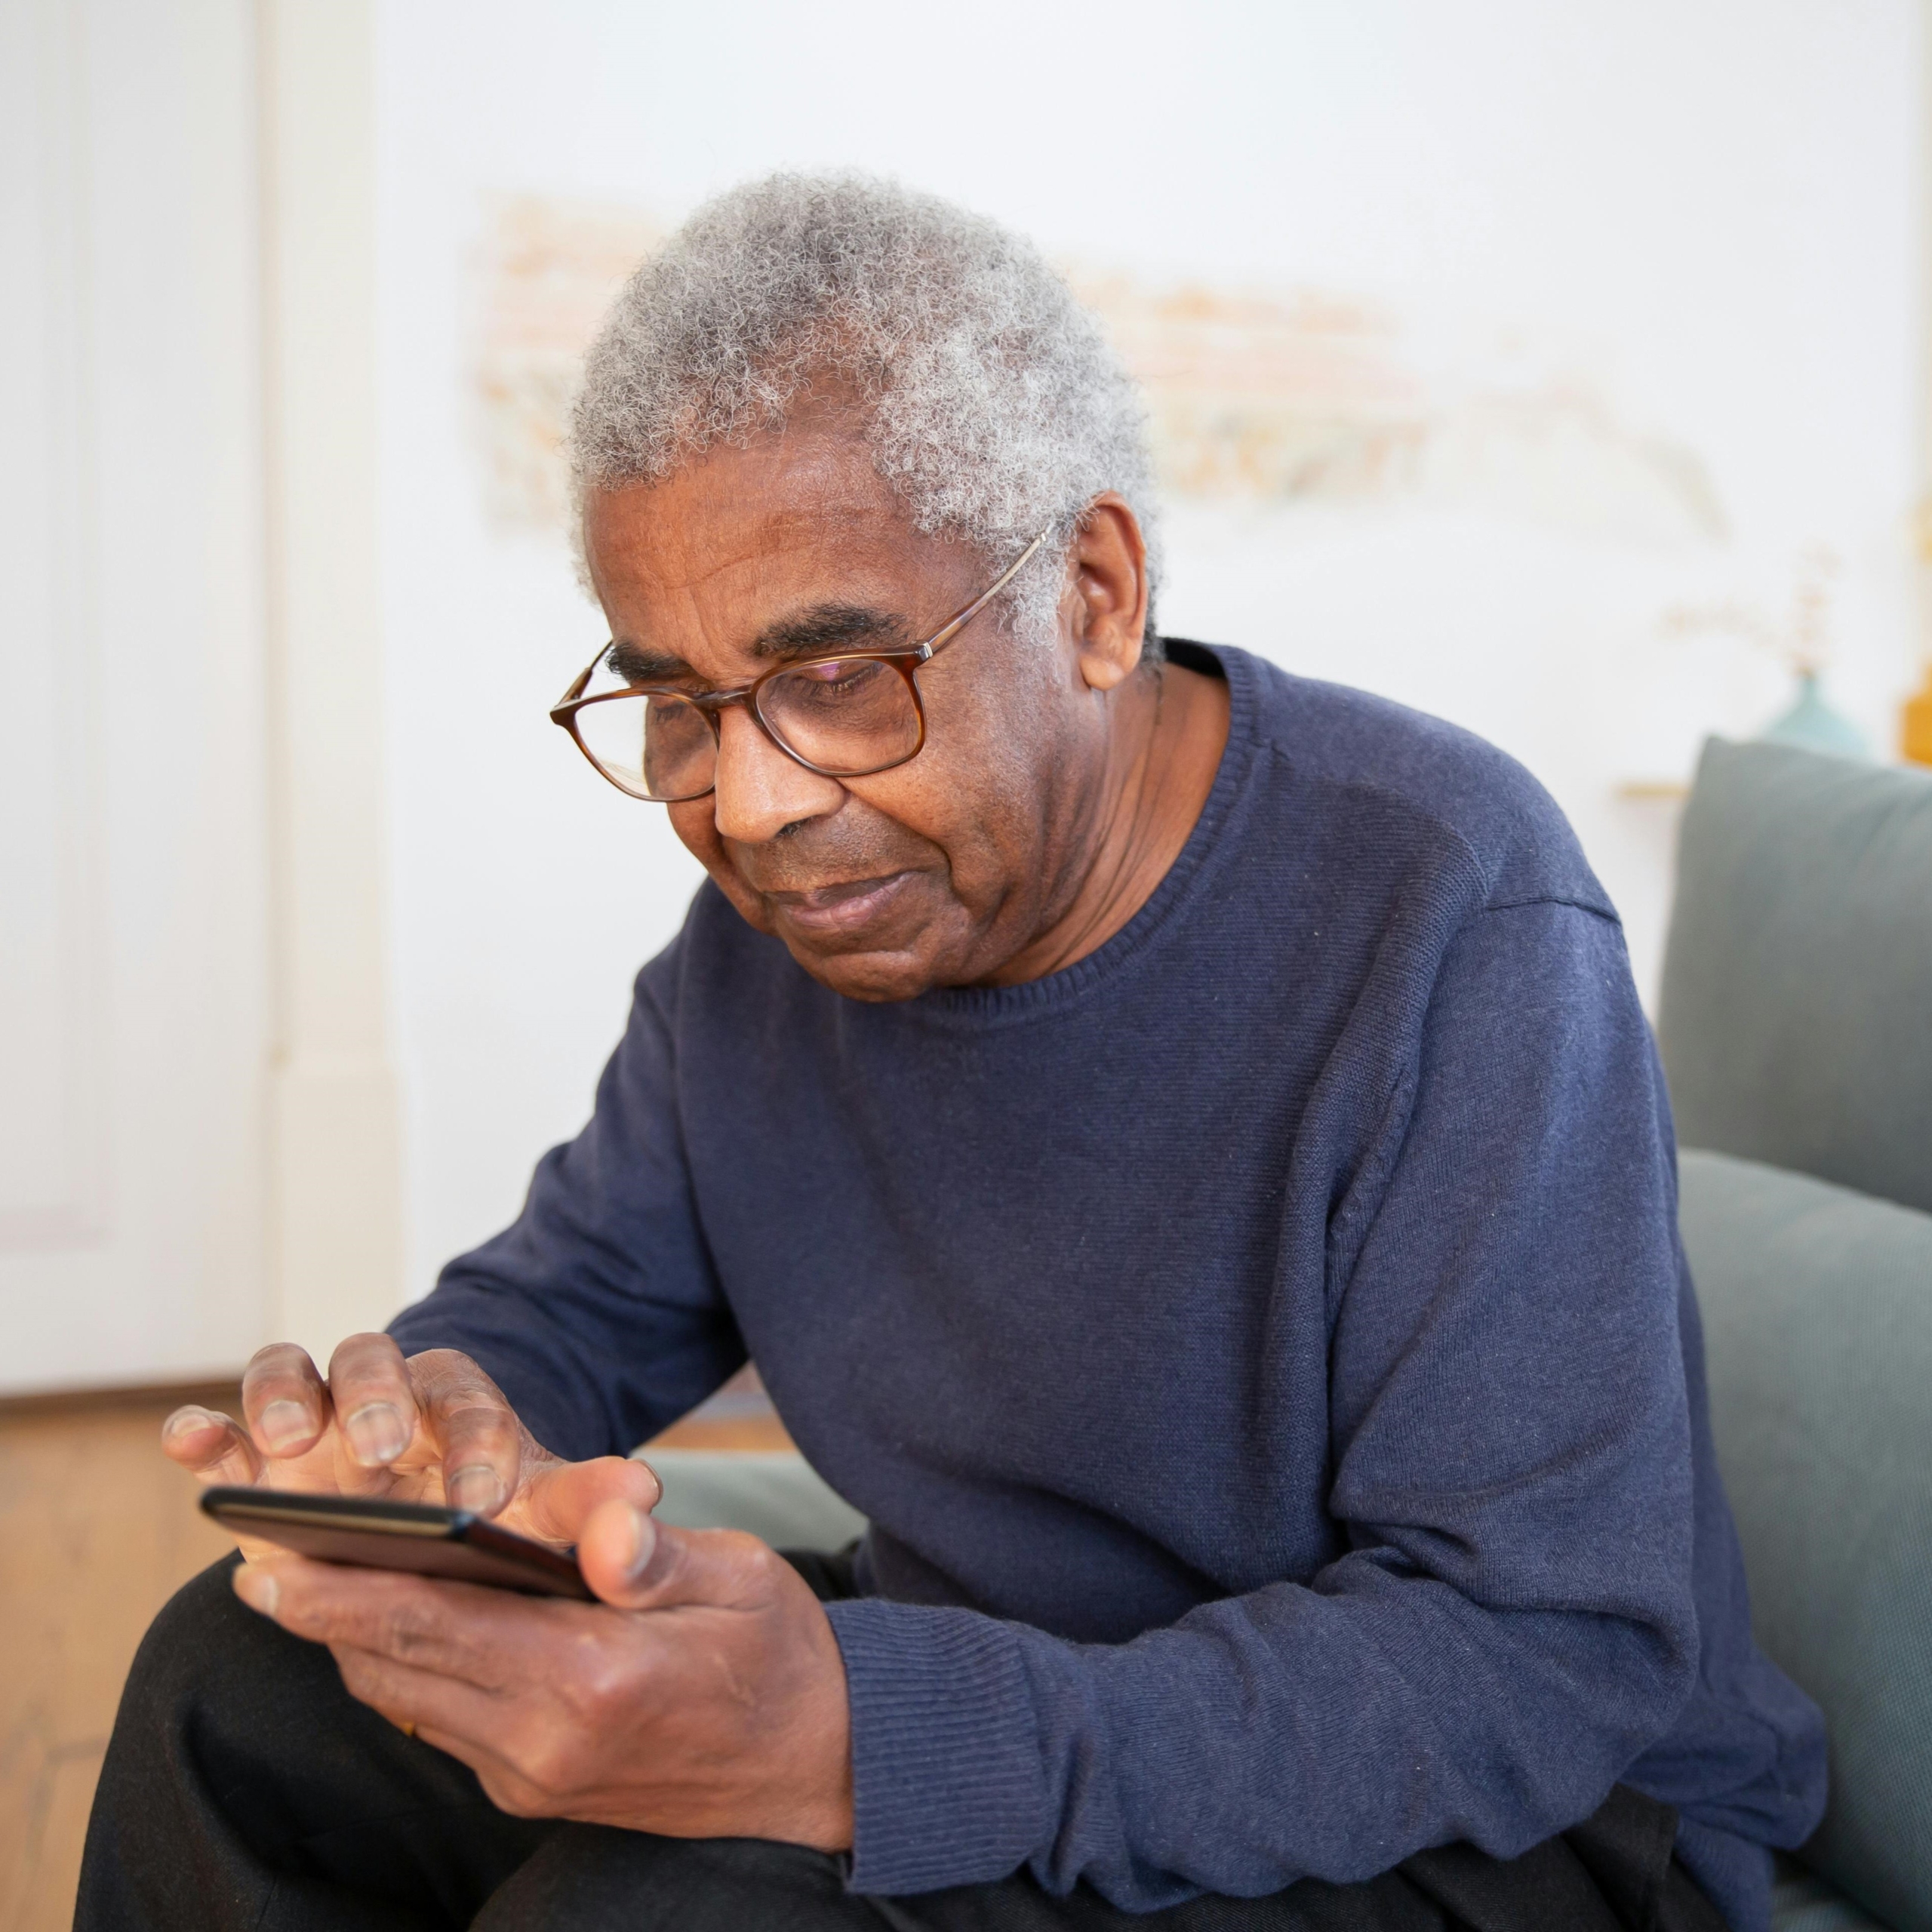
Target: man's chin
[(897, 955), (877, 978)]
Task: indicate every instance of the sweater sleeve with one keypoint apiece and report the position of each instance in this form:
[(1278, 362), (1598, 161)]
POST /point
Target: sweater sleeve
[(1507, 1619), (598, 1311)]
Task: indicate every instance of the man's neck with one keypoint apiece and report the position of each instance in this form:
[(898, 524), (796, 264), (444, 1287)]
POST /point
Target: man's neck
[(1169, 751)]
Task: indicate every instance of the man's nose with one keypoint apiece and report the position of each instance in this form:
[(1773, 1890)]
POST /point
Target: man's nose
[(759, 790)]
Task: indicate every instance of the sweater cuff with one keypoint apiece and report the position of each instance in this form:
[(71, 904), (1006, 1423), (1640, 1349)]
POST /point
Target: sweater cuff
[(948, 1787)]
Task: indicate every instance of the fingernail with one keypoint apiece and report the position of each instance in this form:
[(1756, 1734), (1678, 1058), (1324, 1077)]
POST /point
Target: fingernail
[(377, 1435), (644, 1540), (478, 1488), (257, 1588), (186, 1422), (283, 1425)]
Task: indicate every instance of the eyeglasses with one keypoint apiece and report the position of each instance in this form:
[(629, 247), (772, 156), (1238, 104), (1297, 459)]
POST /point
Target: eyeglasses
[(846, 716)]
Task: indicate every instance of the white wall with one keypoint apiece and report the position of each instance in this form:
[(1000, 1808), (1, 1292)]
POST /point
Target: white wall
[(1706, 213)]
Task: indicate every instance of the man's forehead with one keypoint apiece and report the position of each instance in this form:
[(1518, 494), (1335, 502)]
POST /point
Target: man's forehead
[(672, 551), (804, 491), (727, 519), (707, 574), (785, 600)]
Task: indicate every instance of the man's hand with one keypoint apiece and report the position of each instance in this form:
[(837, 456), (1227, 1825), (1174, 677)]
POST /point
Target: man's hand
[(434, 1428), (705, 1697)]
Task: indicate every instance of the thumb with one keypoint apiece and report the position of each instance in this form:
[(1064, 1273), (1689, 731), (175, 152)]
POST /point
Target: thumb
[(632, 1560), (557, 1500)]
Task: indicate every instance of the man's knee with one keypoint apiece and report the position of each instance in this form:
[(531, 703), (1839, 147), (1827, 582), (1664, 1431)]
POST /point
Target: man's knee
[(185, 1643), (238, 1753), (206, 1649)]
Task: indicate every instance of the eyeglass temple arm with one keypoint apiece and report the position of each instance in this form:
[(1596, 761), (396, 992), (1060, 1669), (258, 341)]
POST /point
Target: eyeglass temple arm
[(939, 641), (579, 685)]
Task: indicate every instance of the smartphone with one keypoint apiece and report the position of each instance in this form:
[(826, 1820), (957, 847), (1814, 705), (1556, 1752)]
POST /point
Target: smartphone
[(381, 1535)]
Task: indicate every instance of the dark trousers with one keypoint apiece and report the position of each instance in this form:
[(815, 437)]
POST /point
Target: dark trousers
[(244, 1787)]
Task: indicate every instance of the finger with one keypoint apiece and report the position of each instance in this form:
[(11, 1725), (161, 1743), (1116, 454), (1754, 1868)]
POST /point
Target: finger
[(481, 1442), (215, 1446), (487, 1638), (286, 1406), (517, 1742), (412, 1697), (369, 1389), (478, 1728), (558, 1498), (633, 1561), (503, 1786)]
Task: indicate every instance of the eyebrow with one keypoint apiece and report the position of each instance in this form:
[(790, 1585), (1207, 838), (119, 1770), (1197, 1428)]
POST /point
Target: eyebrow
[(811, 633)]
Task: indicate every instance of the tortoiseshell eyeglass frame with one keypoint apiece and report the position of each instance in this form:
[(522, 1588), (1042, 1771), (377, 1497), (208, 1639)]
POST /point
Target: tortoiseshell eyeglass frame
[(907, 661)]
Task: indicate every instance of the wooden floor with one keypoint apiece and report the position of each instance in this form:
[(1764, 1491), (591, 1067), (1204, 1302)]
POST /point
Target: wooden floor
[(96, 1531)]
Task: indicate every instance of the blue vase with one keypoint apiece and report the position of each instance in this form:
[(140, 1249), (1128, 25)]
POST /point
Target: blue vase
[(1812, 725)]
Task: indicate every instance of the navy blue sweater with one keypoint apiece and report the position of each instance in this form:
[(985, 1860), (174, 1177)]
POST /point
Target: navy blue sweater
[(1263, 1349)]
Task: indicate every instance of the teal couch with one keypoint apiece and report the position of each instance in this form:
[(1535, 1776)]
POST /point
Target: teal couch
[(1796, 1026)]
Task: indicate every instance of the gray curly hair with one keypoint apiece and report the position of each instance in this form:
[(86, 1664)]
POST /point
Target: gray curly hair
[(993, 405)]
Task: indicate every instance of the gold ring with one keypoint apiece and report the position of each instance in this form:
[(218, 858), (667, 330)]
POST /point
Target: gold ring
[(409, 1726)]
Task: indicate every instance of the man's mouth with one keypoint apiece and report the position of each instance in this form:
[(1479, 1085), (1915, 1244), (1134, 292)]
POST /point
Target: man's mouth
[(841, 906)]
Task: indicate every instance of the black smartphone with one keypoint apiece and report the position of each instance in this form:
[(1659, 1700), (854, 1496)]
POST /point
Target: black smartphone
[(381, 1535)]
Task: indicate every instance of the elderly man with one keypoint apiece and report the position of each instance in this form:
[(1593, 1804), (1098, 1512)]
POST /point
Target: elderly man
[(1182, 1145)]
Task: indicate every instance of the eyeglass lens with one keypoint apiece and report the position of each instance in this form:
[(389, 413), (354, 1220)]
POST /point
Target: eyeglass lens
[(846, 716)]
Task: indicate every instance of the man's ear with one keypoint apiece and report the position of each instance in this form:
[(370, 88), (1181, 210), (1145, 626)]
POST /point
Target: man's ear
[(1109, 589)]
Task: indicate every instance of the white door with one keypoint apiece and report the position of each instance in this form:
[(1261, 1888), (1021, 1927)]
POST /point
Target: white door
[(134, 910)]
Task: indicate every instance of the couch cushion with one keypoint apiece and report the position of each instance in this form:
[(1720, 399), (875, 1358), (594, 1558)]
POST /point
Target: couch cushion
[(1803, 1902), (1796, 1015), (777, 1495), (1817, 1306)]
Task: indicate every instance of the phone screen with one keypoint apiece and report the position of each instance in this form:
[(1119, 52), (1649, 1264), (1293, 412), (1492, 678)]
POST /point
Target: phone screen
[(378, 1535)]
